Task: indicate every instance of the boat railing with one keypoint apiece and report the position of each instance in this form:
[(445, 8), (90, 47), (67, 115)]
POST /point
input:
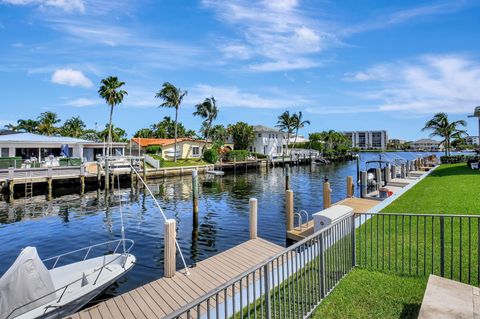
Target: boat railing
[(89, 249), (64, 288)]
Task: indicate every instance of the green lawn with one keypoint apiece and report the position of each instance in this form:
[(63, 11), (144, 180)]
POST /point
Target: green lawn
[(182, 162), (450, 189), (371, 294)]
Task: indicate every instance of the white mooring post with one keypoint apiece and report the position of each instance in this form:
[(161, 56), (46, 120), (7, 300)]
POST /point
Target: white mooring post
[(253, 218), (170, 250)]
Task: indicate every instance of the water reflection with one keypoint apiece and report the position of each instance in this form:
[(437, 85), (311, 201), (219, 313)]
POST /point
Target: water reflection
[(73, 221)]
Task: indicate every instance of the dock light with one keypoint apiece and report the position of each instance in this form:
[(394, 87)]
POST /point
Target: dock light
[(325, 179)]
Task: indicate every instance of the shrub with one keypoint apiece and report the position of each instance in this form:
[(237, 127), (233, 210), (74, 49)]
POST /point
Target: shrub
[(153, 149), (210, 156), (237, 155), (454, 159), (259, 155)]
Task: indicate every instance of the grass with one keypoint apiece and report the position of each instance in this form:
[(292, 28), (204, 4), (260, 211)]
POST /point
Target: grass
[(450, 189), (371, 294), (183, 162)]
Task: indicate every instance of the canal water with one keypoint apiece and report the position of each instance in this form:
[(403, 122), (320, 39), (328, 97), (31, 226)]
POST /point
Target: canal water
[(71, 222)]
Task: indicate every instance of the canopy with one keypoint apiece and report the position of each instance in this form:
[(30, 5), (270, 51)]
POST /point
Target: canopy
[(25, 281)]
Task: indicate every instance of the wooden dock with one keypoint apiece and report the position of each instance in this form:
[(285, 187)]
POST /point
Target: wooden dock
[(359, 205), (162, 297)]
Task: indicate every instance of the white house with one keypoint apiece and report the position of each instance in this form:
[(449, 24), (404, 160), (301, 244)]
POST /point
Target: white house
[(40, 147), (268, 141), (427, 144), (472, 140)]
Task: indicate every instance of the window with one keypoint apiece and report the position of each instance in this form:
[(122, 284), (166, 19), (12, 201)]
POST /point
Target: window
[(195, 151), (259, 134), (5, 152)]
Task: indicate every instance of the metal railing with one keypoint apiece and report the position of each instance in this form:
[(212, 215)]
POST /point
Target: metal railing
[(420, 244), (289, 285)]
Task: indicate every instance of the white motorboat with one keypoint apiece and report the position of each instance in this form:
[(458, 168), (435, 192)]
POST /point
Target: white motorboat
[(30, 290), (216, 173)]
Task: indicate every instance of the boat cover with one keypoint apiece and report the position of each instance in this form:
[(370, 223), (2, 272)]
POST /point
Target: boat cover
[(25, 281)]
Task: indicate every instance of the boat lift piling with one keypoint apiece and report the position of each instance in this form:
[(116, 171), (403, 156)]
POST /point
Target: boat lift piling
[(287, 177), (170, 249), (327, 194), (289, 209), (350, 187), (195, 194), (253, 217), (363, 184)]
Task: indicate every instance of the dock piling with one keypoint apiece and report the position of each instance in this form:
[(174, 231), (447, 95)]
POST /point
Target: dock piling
[(363, 184), (327, 195), (378, 177), (107, 175), (144, 170), (287, 177), (253, 218), (289, 209), (388, 175), (350, 187), (99, 175), (195, 191), (169, 248)]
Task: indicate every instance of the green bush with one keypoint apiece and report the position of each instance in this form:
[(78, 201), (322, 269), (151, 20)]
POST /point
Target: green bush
[(236, 155), (259, 155), (454, 159), (153, 149), (210, 156)]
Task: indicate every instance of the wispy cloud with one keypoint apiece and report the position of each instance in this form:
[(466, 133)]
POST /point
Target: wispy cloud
[(277, 32), (426, 84), (65, 5), (83, 102), (71, 77)]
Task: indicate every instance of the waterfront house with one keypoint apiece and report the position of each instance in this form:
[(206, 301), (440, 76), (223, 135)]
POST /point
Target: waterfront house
[(427, 144), (42, 148), (268, 141), (472, 140), (368, 139), (186, 147)]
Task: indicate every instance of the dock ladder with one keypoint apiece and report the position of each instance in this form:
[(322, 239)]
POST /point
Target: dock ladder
[(28, 191)]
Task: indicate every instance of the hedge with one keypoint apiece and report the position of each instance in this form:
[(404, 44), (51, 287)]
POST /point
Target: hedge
[(454, 159), (210, 156), (153, 149), (237, 155)]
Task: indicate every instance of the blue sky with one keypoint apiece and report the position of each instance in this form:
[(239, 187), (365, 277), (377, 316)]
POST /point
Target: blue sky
[(345, 64)]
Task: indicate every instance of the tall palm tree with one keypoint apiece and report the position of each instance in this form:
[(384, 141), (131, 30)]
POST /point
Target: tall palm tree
[(208, 111), (46, 123), (298, 123), (286, 124), (442, 127), (112, 94), (172, 97)]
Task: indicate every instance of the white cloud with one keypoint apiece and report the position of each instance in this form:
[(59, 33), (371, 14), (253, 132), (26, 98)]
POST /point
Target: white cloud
[(66, 5), (277, 33), (82, 102), (427, 84), (231, 96), (71, 77)]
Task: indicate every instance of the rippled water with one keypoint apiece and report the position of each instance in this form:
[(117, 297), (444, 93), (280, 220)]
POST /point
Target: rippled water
[(71, 222)]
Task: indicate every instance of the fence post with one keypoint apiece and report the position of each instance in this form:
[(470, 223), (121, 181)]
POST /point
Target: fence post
[(253, 218), (289, 209), (266, 276), (442, 246), (354, 248), (321, 269), (170, 249), (349, 186)]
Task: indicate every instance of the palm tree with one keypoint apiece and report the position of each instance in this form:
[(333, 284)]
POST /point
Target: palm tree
[(442, 127), (46, 123), (298, 123), (207, 110), (111, 93), (73, 127), (172, 97), (29, 126), (286, 124)]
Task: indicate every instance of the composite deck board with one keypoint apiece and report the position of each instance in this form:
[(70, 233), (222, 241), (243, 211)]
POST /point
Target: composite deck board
[(165, 295)]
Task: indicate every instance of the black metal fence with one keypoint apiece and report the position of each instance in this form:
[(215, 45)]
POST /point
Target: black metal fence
[(289, 285), (420, 244)]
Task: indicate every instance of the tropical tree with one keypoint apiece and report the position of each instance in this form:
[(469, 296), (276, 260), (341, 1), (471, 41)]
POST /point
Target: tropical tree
[(46, 123), (208, 111), (116, 134), (144, 133), (166, 129), (73, 127), (29, 126), (218, 134), (242, 134), (298, 123), (112, 94), (286, 124), (442, 127), (172, 97), (91, 135)]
